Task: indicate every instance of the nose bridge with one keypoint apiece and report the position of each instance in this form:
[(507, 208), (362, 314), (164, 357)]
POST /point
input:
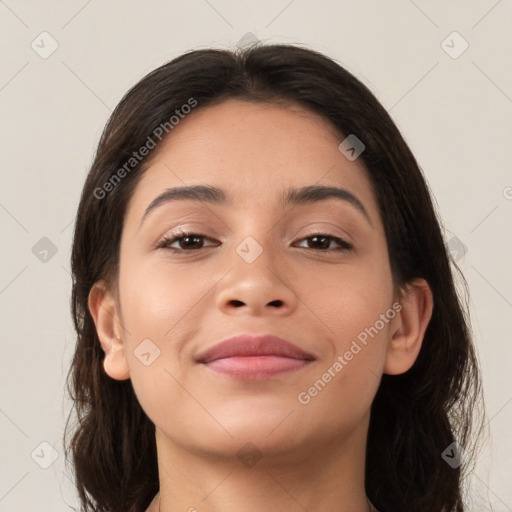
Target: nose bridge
[(256, 280)]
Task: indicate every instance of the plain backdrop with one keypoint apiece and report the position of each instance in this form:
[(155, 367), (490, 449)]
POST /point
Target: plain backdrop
[(442, 70)]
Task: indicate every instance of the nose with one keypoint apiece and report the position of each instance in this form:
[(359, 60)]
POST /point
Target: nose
[(259, 288)]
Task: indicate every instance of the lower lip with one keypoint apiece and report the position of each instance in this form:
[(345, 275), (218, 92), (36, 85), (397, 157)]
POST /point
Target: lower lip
[(257, 367)]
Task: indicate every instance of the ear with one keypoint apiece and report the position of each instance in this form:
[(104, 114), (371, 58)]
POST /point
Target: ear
[(410, 326), (104, 310)]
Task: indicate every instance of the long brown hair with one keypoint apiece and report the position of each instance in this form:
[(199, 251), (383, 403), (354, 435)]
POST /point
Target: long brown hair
[(415, 416)]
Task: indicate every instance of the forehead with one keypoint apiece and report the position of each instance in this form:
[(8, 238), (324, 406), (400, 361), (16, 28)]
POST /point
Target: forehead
[(252, 150)]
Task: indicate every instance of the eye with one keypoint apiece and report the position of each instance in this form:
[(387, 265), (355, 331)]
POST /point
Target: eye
[(323, 242), (187, 241)]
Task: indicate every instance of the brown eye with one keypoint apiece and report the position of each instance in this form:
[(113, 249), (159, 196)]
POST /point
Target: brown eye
[(322, 242), (187, 242)]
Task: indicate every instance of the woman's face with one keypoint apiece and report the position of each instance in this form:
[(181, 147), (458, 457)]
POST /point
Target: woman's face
[(258, 269)]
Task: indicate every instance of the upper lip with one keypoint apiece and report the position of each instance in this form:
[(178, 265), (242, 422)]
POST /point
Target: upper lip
[(246, 345)]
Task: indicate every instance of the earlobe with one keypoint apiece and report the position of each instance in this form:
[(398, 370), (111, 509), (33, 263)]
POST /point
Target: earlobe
[(413, 319), (104, 311)]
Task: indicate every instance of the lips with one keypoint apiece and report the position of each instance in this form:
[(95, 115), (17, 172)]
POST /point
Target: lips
[(248, 345), (249, 357)]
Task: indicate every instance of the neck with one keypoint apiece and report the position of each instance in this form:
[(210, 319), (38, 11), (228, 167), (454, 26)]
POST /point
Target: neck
[(322, 477)]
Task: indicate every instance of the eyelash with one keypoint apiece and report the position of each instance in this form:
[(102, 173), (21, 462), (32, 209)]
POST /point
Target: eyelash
[(165, 242)]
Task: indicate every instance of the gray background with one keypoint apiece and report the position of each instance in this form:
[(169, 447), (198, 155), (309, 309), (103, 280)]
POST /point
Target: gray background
[(453, 108)]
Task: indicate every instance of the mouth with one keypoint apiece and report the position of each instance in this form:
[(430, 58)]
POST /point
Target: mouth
[(249, 357)]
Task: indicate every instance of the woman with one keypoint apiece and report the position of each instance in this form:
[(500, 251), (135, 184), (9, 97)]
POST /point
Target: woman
[(265, 309)]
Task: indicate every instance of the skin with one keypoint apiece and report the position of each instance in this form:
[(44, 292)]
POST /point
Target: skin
[(312, 455)]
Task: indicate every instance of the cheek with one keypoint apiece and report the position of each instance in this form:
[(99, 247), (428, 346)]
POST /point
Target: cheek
[(345, 381), (157, 299), (350, 299), (159, 309), (355, 307)]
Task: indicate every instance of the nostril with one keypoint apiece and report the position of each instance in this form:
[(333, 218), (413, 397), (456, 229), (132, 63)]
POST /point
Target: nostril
[(274, 303)]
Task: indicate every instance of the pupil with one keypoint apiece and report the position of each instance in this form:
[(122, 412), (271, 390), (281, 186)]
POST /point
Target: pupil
[(321, 238), (187, 238)]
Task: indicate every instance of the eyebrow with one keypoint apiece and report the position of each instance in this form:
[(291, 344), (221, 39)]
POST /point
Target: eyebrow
[(291, 197)]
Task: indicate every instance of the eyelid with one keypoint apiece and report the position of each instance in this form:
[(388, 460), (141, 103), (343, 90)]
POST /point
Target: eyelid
[(343, 244), (330, 228), (194, 228), (166, 240), (333, 230), (176, 235)]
